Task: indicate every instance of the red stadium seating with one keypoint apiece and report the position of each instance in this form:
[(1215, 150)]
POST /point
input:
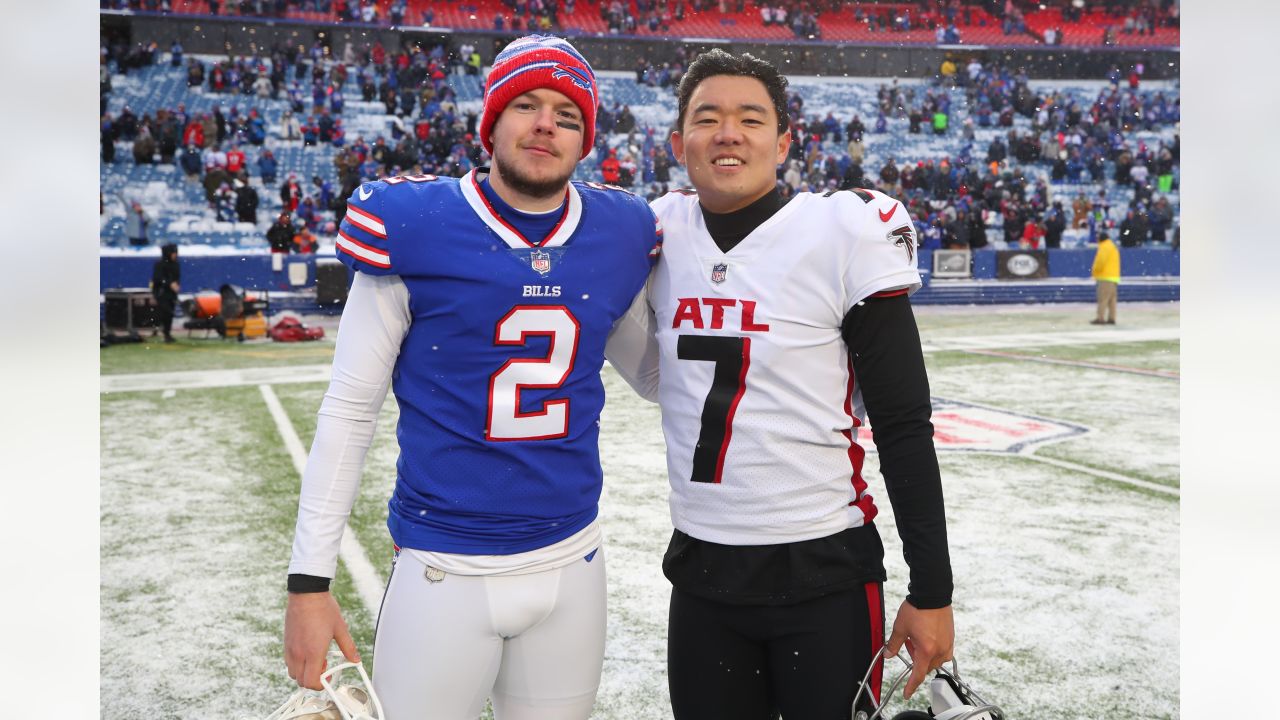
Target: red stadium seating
[(835, 26), (1090, 28)]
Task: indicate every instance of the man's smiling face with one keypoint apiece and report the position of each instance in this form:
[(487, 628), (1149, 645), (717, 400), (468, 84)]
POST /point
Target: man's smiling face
[(729, 142)]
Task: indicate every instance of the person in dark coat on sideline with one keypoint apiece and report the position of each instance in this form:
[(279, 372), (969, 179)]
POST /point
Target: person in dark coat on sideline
[(164, 287)]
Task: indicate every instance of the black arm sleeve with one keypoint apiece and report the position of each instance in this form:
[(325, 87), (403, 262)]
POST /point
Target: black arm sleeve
[(299, 583), (888, 365)]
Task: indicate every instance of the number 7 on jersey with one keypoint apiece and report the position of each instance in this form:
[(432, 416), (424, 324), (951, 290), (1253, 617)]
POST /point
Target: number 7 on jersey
[(732, 356)]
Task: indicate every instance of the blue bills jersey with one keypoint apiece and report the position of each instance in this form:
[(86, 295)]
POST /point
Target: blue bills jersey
[(498, 377)]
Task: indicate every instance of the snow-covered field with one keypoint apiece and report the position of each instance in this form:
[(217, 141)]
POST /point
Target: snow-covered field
[(1060, 463)]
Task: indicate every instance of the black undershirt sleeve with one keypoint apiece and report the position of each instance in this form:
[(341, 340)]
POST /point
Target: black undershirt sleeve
[(888, 365), (299, 583)]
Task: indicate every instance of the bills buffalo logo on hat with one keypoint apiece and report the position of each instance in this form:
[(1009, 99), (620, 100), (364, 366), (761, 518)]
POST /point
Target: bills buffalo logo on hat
[(718, 272), (904, 237), (576, 76)]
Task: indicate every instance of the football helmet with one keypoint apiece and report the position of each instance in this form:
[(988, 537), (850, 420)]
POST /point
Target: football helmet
[(338, 701), (950, 698)]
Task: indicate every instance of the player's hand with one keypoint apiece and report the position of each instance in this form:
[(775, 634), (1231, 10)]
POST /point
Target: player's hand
[(310, 622), (930, 638)]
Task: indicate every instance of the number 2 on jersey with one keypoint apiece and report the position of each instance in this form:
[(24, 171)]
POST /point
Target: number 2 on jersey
[(505, 421), (732, 356)]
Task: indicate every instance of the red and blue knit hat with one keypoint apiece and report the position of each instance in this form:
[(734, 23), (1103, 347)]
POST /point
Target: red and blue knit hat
[(540, 61)]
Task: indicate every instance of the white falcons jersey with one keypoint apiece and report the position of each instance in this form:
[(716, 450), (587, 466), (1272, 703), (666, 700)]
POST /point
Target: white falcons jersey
[(760, 408)]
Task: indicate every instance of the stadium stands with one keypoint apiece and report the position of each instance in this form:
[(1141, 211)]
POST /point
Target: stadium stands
[(847, 22), (183, 215)]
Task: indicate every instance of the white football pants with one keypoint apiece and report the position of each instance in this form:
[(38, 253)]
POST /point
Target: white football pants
[(532, 643)]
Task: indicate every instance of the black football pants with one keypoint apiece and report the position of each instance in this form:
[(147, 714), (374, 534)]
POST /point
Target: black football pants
[(752, 662)]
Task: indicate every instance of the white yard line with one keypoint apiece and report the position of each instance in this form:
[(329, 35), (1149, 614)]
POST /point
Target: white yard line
[(368, 586), (192, 379), (1103, 474), (1074, 337), (1166, 374), (320, 373)]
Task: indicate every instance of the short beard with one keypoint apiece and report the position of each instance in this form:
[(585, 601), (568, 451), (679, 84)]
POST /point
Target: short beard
[(527, 186)]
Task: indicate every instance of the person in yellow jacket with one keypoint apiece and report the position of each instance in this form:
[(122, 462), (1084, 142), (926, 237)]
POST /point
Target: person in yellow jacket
[(1106, 271)]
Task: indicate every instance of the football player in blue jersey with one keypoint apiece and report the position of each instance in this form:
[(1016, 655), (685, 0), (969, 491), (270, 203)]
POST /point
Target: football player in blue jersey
[(485, 302)]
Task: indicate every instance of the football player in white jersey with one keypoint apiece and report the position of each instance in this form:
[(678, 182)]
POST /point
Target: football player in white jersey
[(775, 329), (484, 302)]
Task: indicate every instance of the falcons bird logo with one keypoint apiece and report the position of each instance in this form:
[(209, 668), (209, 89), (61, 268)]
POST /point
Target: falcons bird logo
[(904, 237)]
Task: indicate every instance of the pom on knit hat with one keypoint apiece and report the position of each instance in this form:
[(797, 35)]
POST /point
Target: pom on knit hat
[(540, 61)]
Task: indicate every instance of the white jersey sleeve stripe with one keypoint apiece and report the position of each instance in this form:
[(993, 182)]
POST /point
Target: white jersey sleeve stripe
[(366, 221), (355, 248)]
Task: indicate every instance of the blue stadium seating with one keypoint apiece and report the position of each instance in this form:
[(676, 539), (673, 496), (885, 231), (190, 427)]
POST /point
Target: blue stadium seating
[(183, 215)]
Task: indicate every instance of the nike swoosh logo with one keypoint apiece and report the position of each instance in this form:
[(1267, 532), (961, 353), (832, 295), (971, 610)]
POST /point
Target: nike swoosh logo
[(365, 194), (884, 217)]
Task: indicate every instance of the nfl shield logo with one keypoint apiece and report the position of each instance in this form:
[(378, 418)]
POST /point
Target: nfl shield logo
[(718, 271), (540, 261)]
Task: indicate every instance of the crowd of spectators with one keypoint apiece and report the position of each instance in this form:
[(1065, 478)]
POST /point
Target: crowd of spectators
[(956, 198), (801, 17), (620, 19), (535, 15), (941, 16), (665, 73), (1003, 185), (222, 151), (356, 11), (945, 18), (1027, 185)]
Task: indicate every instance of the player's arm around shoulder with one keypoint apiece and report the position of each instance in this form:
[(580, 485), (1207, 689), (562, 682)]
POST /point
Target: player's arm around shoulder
[(673, 203), (625, 213), (632, 347), (649, 225)]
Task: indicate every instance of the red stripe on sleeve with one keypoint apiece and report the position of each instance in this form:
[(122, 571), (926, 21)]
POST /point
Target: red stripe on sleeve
[(367, 216), (889, 293), (361, 258)]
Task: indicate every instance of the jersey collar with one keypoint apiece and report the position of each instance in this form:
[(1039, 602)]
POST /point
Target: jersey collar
[(747, 246), (729, 229), (510, 235)]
